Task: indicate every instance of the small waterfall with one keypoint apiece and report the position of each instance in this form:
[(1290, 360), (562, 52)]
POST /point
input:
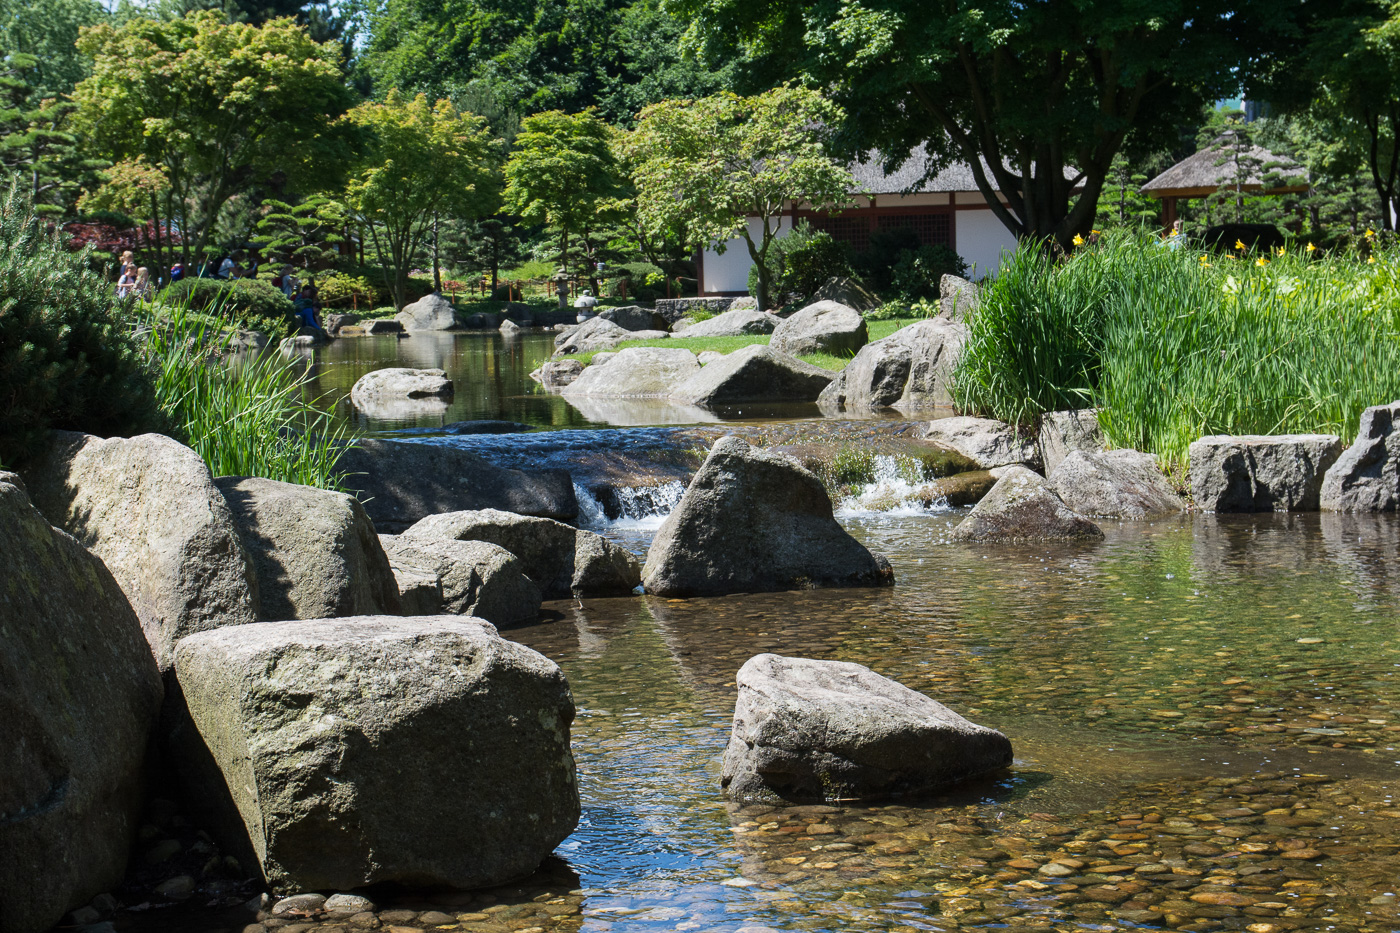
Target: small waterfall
[(644, 507), (894, 489)]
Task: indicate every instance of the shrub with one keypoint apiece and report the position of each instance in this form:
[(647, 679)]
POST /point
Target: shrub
[(899, 267), (802, 262), (246, 302), (67, 359), (342, 292)]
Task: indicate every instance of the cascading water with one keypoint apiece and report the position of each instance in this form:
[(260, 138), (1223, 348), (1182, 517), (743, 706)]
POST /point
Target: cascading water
[(894, 489), (627, 507)]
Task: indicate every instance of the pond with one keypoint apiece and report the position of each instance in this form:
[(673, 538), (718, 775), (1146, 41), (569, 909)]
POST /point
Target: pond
[(1205, 713)]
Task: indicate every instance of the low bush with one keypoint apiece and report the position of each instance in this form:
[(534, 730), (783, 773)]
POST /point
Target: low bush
[(246, 302), (802, 262), (340, 291), (900, 267), (67, 358)]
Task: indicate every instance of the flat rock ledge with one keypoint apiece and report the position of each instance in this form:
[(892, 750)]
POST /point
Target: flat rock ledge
[(1114, 483), (809, 730), (1261, 473), (986, 442)]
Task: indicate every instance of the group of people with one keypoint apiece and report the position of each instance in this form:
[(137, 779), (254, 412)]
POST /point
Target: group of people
[(135, 283)]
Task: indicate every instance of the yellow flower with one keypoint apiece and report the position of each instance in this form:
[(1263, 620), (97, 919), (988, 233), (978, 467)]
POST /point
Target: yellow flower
[(1239, 244), (1261, 261), (1204, 260), (1280, 251), (1370, 234), (1078, 240), (1370, 258), (1312, 248)]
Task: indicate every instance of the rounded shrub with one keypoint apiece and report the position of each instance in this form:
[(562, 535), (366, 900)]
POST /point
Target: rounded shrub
[(248, 302), (802, 262), (67, 358)]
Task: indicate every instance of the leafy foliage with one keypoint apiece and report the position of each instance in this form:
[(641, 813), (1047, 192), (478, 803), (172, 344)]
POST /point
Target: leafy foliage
[(801, 262), (67, 359), (900, 267), (248, 302), (304, 234)]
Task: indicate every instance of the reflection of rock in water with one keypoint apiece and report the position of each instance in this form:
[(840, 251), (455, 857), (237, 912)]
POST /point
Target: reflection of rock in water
[(629, 412), (1364, 546), (1226, 546), (402, 409)]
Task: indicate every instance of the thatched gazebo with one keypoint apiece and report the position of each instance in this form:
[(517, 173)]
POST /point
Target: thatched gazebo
[(1224, 164)]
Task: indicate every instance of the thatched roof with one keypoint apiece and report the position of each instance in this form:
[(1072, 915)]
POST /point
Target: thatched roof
[(908, 178), (1218, 165)]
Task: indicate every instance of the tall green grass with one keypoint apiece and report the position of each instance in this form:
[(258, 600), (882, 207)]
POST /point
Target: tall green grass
[(245, 414), (1173, 344)]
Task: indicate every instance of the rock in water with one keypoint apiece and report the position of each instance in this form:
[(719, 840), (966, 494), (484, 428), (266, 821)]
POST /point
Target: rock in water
[(909, 370), (79, 694), (1114, 483), (985, 442), (339, 753), (1261, 473), (315, 552), (827, 730), (562, 560), (555, 374), (733, 324), (399, 383), (637, 372), (475, 578), (823, 327), (148, 507), (400, 482), (752, 521), (1366, 477), (432, 312), (754, 374), (1064, 431), (1022, 507)]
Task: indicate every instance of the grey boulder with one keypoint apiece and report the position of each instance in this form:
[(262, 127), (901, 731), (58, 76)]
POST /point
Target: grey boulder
[(636, 372), (475, 578), (751, 521), (79, 695), (847, 292), (562, 560), (1366, 477), (149, 508), (1261, 473), (985, 442), (555, 374), (382, 392), (315, 552), (958, 298), (1062, 432), (432, 312), (1022, 507), (733, 324), (910, 370), (598, 333), (339, 753), (753, 374), (1114, 483), (809, 730), (400, 482), (634, 317), (823, 327)]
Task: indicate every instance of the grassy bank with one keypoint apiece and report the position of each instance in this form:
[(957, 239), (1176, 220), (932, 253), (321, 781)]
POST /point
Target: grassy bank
[(878, 329), (1173, 344)]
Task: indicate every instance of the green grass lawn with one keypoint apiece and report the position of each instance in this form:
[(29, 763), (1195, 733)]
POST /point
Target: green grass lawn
[(878, 329)]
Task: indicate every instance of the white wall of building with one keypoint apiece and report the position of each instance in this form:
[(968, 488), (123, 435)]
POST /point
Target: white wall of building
[(729, 271), (981, 240)]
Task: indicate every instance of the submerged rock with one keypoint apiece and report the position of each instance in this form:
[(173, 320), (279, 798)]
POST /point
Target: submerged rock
[(636, 372), (149, 508), (1062, 432), (432, 312), (339, 753), (733, 324), (1023, 507), (561, 559), (809, 730), (79, 695), (475, 578), (1366, 477), (753, 374), (1114, 483), (823, 327), (1261, 473), (315, 552), (751, 521), (985, 442), (910, 370)]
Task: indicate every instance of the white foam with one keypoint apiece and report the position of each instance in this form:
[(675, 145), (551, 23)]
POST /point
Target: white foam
[(892, 492), (643, 508)]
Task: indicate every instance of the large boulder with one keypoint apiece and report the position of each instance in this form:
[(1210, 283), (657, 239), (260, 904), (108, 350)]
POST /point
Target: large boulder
[(432, 312), (823, 327), (753, 374), (634, 317), (848, 292), (1113, 483), (475, 578), (400, 482), (911, 370), (397, 382), (1062, 432), (636, 372), (809, 730), (1022, 507), (733, 324), (1261, 473), (555, 374), (751, 521), (599, 333), (958, 298), (563, 560), (673, 309), (985, 442), (339, 753), (315, 552), (1366, 477), (149, 508), (79, 695)]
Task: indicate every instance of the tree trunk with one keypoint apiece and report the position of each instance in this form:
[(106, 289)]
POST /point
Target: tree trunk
[(437, 268)]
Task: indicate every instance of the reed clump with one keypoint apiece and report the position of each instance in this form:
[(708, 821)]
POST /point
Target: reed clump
[(1173, 344)]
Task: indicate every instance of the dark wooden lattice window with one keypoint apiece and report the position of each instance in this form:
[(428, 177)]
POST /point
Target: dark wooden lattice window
[(853, 231), (930, 228)]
